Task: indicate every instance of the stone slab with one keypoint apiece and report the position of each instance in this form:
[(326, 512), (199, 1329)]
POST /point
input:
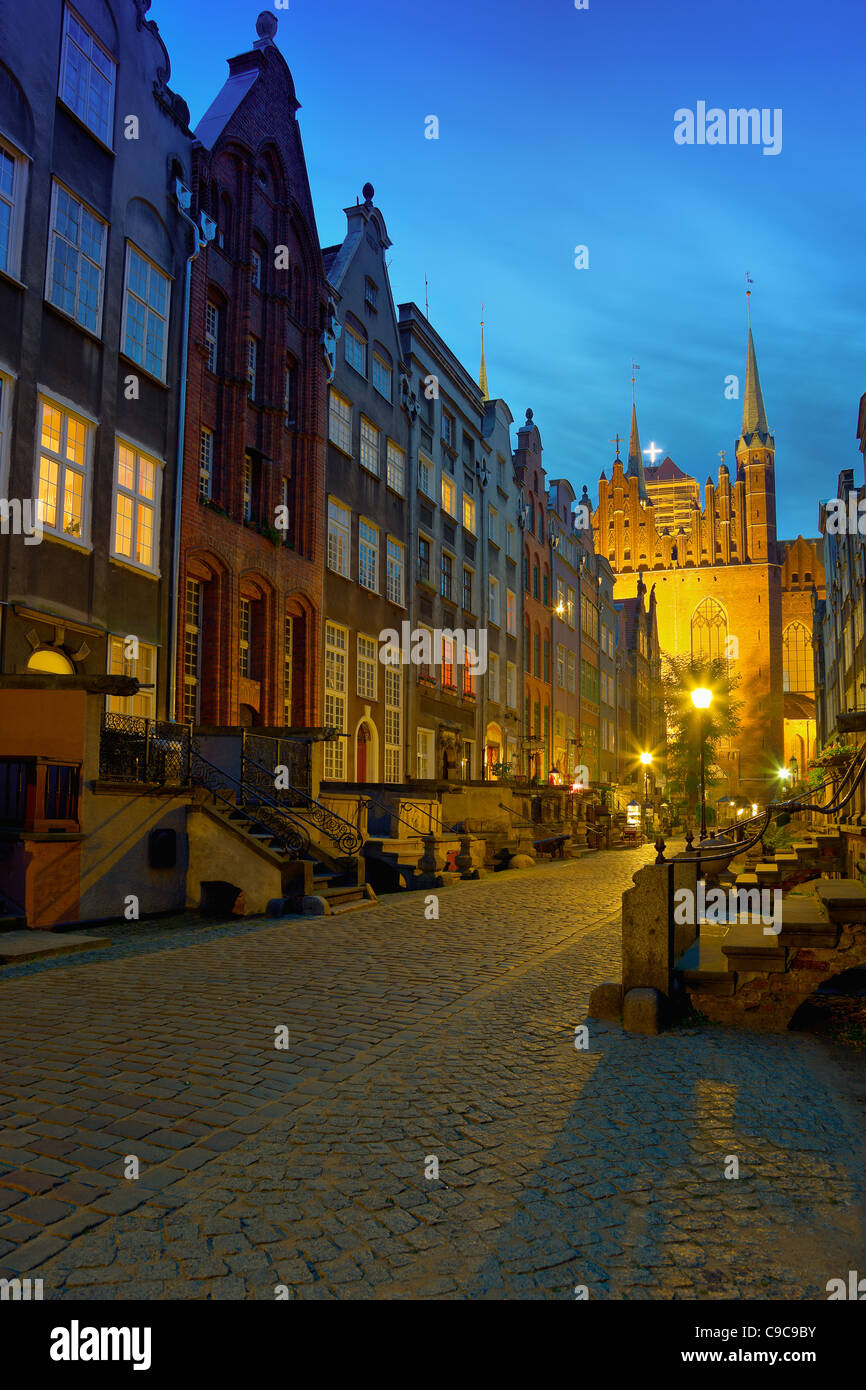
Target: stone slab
[(16, 946)]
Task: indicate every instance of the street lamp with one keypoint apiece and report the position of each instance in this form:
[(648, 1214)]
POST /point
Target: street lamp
[(701, 699), (646, 759)]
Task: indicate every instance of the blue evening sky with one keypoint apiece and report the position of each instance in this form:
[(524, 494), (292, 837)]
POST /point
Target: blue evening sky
[(556, 130)]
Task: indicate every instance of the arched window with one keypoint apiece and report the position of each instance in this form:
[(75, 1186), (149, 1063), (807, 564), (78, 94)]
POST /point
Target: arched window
[(797, 659), (709, 631)]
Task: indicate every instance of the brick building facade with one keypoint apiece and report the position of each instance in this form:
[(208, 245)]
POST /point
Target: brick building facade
[(253, 489)]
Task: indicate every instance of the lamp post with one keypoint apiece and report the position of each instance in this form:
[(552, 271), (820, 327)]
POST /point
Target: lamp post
[(701, 699), (646, 759)]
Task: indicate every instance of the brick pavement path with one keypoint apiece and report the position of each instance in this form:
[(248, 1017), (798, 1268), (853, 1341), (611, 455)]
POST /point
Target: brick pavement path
[(411, 1039)]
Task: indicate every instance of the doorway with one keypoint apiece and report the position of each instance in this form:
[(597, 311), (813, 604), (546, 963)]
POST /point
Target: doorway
[(362, 743)]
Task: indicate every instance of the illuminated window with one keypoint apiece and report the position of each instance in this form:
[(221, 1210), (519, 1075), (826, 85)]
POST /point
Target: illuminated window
[(132, 658), (64, 464), (136, 507), (797, 662)]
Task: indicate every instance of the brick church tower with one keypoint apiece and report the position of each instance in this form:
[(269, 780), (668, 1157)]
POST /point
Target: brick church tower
[(717, 572)]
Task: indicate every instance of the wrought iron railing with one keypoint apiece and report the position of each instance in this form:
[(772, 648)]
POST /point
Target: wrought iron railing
[(390, 811), (294, 754), (251, 805), (135, 749), (333, 826), (714, 853), (739, 829)]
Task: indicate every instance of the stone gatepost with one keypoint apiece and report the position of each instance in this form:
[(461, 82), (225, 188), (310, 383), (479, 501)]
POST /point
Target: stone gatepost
[(652, 942)]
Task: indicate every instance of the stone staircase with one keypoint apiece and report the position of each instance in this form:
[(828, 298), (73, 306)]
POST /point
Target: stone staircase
[(311, 877), (744, 972)]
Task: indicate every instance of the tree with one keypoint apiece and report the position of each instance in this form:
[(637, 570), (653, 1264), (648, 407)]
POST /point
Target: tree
[(680, 676)]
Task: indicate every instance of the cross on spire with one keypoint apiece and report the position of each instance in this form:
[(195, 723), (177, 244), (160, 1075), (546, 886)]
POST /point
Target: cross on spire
[(722, 455), (616, 442)]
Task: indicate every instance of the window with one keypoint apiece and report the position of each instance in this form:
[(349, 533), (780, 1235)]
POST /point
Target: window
[(469, 682), (336, 642), (510, 613), (426, 474), (394, 566), (368, 555), (247, 496), (797, 663), (145, 313), (449, 497), (381, 376), (468, 453), (367, 664), (396, 465), (424, 559), (709, 631), (143, 668), (527, 660), (256, 271), (448, 663), (468, 577), (136, 507), (12, 179), (511, 685), (191, 651), (393, 722), (355, 351), (340, 422), (569, 608), (64, 462), (589, 682), (205, 465), (76, 259), (424, 747), (545, 590), (369, 446), (448, 429), (338, 537), (288, 658), (244, 632), (211, 334), (493, 600), (447, 575), (493, 525), (560, 665), (560, 597), (371, 294), (87, 77), (536, 654), (509, 542), (468, 513), (535, 581), (547, 658), (493, 677), (589, 618), (252, 364), (427, 668)]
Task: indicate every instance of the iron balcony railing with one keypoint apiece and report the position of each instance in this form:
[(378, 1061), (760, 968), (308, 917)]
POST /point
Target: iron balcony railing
[(135, 749)]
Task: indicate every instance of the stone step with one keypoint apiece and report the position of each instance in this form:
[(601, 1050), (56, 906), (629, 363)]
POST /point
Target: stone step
[(747, 948), (703, 966), (806, 923), (844, 899), (767, 874), (16, 947)]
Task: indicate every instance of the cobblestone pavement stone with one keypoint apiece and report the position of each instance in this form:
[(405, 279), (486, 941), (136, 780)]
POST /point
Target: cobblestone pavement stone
[(412, 1039)]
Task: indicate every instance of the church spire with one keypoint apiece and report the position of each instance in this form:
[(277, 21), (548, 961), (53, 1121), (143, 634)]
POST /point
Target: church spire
[(482, 371), (635, 457), (754, 415)]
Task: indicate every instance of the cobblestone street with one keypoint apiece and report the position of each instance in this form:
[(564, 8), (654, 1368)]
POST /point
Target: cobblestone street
[(411, 1039)]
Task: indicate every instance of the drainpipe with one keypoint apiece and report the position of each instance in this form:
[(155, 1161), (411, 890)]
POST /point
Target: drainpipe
[(201, 236)]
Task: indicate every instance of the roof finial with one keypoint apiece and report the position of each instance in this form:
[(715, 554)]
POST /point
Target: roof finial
[(749, 281), (482, 373), (634, 368)]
